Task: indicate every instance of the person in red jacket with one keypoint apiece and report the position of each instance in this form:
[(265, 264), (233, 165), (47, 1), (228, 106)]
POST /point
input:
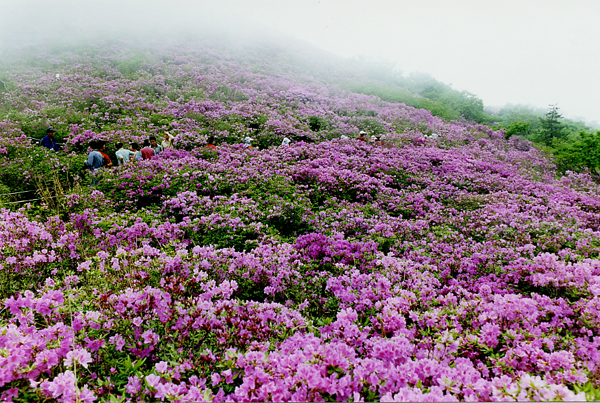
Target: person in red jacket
[(210, 143), (106, 159)]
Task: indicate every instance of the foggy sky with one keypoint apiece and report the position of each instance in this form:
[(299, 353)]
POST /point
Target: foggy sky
[(536, 52)]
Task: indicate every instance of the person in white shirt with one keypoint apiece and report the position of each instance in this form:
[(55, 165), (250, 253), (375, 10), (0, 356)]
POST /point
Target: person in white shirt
[(123, 154), (168, 141)]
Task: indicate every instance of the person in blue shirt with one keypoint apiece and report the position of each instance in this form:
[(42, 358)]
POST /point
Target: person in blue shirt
[(123, 154), (49, 141), (155, 146), (135, 148), (94, 162)]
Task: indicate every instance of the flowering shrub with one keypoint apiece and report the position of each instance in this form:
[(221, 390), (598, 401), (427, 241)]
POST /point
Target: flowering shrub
[(448, 267)]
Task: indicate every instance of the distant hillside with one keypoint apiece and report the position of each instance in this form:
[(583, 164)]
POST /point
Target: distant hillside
[(295, 61)]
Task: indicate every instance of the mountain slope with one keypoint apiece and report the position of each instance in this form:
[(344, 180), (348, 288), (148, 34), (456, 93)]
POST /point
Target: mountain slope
[(443, 262)]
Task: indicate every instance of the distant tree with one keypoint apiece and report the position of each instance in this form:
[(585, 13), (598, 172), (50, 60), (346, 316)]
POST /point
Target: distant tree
[(577, 154), (510, 114), (471, 108), (520, 113), (462, 103), (551, 126), (517, 128)]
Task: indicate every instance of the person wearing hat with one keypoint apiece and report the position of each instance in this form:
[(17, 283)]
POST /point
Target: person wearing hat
[(49, 141), (247, 141), (362, 136), (285, 142)]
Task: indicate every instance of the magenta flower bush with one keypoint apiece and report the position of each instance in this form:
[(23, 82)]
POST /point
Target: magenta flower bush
[(416, 268)]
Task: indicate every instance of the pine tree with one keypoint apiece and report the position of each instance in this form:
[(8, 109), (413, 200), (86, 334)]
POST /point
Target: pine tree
[(552, 127)]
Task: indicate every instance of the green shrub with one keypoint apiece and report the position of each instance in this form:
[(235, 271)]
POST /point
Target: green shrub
[(579, 153)]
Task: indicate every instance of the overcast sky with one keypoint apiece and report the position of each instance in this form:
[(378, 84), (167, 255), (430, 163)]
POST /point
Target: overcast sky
[(536, 52)]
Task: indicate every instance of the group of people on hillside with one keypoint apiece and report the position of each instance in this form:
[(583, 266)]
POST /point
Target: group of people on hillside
[(362, 136), (248, 142), (98, 159), (149, 149)]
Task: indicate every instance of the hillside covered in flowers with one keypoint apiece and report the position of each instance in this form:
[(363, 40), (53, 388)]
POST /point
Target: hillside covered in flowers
[(440, 262)]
